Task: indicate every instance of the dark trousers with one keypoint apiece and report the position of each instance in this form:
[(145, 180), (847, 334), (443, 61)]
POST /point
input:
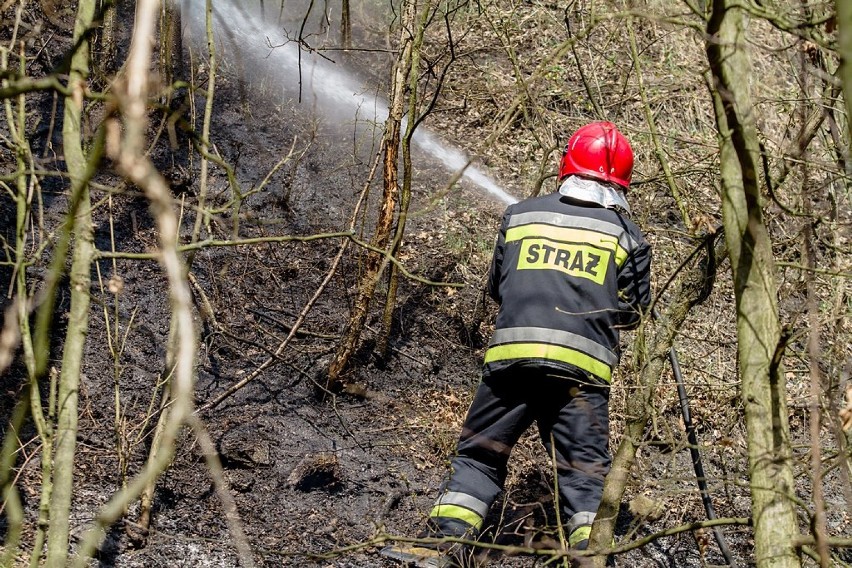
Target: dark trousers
[(573, 422)]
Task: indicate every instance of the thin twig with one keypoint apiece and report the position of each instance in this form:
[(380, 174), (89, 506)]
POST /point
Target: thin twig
[(305, 310), (128, 152)]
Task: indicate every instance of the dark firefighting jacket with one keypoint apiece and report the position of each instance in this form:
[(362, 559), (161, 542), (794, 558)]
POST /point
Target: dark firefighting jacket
[(568, 275)]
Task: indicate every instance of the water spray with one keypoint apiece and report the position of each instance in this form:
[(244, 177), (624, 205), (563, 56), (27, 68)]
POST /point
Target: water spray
[(260, 46)]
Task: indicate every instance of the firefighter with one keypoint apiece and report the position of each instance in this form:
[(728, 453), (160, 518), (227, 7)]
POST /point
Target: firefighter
[(569, 271)]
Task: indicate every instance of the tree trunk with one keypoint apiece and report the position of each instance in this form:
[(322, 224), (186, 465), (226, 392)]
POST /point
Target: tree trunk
[(171, 45), (844, 50), (128, 152), (692, 289), (16, 116), (381, 239), (345, 25), (760, 345), (108, 40), (65, 439), (405, 197)]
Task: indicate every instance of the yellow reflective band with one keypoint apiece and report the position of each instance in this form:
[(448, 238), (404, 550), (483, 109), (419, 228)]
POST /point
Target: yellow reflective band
[(568, 234), (552, 352), (581, 533), (456, 512), (583, 261)]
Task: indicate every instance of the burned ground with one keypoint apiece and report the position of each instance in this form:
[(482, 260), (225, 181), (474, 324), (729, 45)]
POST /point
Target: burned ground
[(316, 477), (320, 478)]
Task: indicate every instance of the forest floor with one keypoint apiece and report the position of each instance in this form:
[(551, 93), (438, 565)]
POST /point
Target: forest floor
[(319, 479)]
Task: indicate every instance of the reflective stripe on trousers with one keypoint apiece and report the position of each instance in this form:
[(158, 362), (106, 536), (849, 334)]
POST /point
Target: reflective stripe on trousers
[(573, 424), (462, 507)]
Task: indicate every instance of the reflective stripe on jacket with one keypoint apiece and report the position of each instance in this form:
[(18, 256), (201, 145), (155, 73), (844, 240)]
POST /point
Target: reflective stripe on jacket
[(567, 275)]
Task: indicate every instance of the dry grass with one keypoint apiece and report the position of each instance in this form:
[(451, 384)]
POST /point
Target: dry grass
[(500, 50)]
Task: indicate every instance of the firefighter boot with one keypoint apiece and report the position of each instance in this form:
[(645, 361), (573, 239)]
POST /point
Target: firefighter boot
[(419, 556), (441, 554), (579, 540)]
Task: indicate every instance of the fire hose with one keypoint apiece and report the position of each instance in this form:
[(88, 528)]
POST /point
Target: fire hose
[(692, 438)]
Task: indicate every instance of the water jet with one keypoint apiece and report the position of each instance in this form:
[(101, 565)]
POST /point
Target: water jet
[(263, 48)]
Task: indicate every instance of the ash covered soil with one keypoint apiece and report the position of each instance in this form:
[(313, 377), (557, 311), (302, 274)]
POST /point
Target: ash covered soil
[(312, 473), (319, 479)]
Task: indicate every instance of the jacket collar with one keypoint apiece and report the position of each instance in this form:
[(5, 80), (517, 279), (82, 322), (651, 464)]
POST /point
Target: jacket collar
[(592, 191)]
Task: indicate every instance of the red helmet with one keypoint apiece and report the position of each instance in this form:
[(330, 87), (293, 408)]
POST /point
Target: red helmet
[(598, 150)]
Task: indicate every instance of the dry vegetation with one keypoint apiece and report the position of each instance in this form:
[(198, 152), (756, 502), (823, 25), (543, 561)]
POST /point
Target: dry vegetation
[(516, 80)]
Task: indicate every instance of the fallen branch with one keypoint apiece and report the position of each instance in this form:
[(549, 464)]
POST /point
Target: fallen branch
[(551, 554), (350, 235), (128, 153), (305, 310)]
